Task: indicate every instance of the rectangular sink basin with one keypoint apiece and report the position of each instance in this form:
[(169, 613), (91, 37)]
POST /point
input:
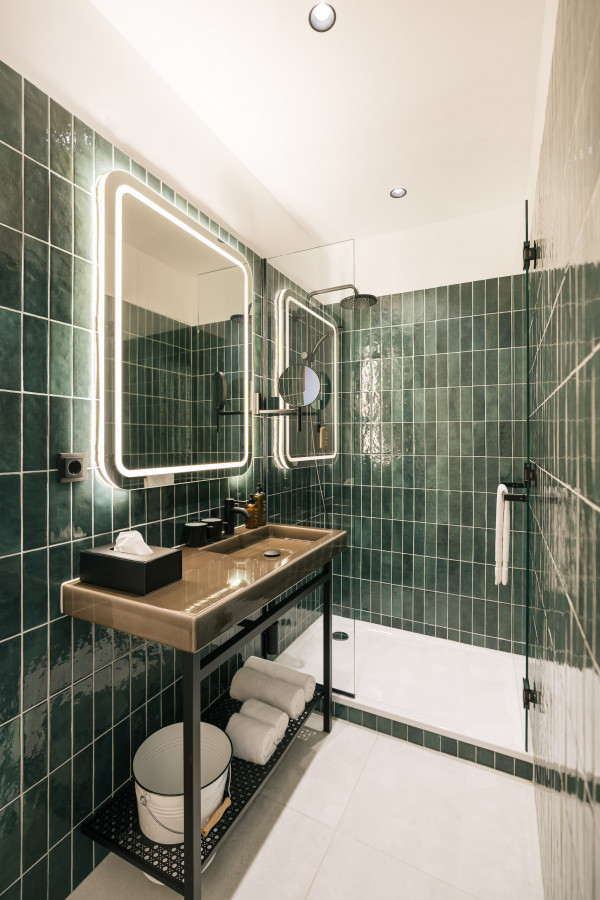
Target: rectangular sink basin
[(222, 584)]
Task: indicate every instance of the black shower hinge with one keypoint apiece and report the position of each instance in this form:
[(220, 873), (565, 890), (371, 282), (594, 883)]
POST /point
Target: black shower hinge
[(530, 474), (530, 254), (531, 696)]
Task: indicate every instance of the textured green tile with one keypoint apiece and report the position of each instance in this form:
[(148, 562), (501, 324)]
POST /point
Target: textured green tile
[(60, 654), (485, 757), (10, 845), (59, 817), (61, 140), (61, 359), (10, 521), (82, 362), (83, 155), (102, 156), (36, 124), (59, 512), (83, 227), (102, 700), (35, 744), (10, 106), (431, 740), (35, 354), (449, 746), (415, 735), (35, 277), (60, 431), (59, 870), (523, 769), (505, 763), (10, 268), (466, 751), (83, 718), (61, 213), (35, 665), (60, 728), (82, 293), (35, 432), (10, 598), (61, 286), (10, 675), (35, 588), (10, 446), (35, 831), (36, 200), (10, 761), (83, 784)]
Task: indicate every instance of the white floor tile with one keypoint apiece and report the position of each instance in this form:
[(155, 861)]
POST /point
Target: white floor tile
[(460, 823), (354, 871)]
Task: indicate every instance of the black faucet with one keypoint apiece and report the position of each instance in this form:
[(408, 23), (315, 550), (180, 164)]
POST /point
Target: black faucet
[(230, 511)]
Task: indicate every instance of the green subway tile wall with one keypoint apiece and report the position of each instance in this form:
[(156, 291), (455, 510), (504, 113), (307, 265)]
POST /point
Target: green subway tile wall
[(565, 505), (75, 700), (433, 410)]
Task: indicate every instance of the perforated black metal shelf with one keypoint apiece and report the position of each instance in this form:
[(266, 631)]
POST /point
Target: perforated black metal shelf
[(115, 825)]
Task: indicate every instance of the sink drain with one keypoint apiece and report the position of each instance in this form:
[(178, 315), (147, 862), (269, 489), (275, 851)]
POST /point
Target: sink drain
[(341, 636), (271, 554)]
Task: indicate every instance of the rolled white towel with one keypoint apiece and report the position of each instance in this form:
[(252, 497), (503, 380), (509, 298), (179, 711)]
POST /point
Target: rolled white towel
[(275, 670), (248, 684), (252, 740), (278, 720)]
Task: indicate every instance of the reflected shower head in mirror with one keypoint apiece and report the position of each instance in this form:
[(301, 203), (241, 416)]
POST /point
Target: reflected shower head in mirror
[(299, 385), (309, 357)]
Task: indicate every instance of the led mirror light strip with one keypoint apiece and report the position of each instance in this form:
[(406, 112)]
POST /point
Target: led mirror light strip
[(283, 304), (122, 191)]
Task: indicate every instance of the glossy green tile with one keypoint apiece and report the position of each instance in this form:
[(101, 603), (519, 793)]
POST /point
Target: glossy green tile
[(82, 362), (61, 409), (61, 286), (82, 293), (35, 826), (35, 277), (59, 512), (83, 155), (36, 124), (102, 700), (35, 588), (36, 200), (83, 713), (10, 597), (35, 354), (10, 761), (102, 156), (59, 869), (60, 654), (35, 880), (61, 140), (83, 224), (485, 757), (10, 522), (61, 359), (10, 845), (10, 268), (59, 570), (35, 665), (60, 728), (11, 92), (59, 803), (10, 446), (35, 744), (10, 356), (61, 213), (83, 784)]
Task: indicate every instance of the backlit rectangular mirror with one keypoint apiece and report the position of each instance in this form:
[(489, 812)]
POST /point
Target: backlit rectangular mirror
[(173, 310), (307, 335)]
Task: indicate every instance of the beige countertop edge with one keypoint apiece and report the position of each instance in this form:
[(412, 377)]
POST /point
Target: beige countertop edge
[(182, 630)]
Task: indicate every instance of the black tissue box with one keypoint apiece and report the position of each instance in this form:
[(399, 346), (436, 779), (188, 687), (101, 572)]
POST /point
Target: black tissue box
[(126, 572)]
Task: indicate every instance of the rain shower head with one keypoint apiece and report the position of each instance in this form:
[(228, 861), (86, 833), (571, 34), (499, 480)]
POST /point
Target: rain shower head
[(358, 301)]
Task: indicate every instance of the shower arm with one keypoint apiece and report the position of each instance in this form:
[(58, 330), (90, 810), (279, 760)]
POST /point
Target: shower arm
[(338, 287)]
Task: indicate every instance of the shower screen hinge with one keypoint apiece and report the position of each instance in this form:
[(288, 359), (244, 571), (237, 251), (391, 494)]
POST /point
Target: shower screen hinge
[(530, 474), (531, 696), (530, 254)]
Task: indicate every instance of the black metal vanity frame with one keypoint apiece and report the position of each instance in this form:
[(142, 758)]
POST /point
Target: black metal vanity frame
[(115, 824)]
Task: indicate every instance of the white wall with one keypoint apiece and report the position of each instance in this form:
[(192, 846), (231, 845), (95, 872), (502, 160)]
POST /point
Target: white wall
[(466, 249)]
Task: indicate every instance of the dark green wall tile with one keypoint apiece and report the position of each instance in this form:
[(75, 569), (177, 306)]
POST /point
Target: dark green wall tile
[(35, 277), (83, 155), (59, 870), (82, 293), (83, 224), (102, 156), (10, 106), (60, 654), (35, 432), (59, 512), (59, 570), (61, 286), (36, 200), (10, 522), (35, 588), (10, 268), (83, 784), (36, 124), (10, 356), (35, 354), (61, 359), (10, 596), (10, 178), (35, 881), (61, 140), (83, 713), (10, 675), (10, 761), (10, 845), (59, 817), (10, 446), (35, 825), (35, 744), (82, 362), (35, 665), (60, 728), (61, 213)]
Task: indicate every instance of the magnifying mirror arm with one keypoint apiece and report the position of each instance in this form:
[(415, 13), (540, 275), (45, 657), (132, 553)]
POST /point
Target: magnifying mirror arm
[(227, 412), (293, 411)]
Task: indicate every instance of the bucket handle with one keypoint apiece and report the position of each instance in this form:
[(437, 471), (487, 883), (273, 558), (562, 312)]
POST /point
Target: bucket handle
[(218, 813), (144, 803)]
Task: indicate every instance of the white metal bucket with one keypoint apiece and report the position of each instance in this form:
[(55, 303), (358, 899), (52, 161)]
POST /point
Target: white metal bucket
[(158, 773)]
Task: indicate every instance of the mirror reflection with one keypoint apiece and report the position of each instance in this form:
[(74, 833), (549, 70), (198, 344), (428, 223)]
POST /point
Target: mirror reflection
[(175, 318), (299, 385)]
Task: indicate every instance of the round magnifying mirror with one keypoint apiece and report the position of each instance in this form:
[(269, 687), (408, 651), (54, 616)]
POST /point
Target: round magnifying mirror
[(219, 390), (299, 385)]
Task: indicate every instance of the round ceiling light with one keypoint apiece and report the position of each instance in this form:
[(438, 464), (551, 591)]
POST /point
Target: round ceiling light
[(322, 17), (398, 192)]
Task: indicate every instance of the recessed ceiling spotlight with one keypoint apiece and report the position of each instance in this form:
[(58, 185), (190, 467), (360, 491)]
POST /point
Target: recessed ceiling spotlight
[(322, 17), (398, 192)]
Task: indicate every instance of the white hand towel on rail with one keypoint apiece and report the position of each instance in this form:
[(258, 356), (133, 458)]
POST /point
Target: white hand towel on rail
[(308, 683), (502, 535), (251, 740), (278, 720), (248, 683)]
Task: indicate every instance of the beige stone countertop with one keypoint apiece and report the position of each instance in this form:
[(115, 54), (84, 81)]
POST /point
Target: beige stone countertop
[(221, 585)]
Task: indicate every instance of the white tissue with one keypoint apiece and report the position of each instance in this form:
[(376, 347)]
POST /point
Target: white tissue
[(133, 543)]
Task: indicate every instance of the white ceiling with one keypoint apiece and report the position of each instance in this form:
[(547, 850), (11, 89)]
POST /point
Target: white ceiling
[(437, 96)]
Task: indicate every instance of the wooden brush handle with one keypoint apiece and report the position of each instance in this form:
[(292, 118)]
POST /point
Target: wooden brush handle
[(216, 817)]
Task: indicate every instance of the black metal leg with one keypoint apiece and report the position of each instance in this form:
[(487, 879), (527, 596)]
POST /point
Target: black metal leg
[(191, 775), (327, 649)]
